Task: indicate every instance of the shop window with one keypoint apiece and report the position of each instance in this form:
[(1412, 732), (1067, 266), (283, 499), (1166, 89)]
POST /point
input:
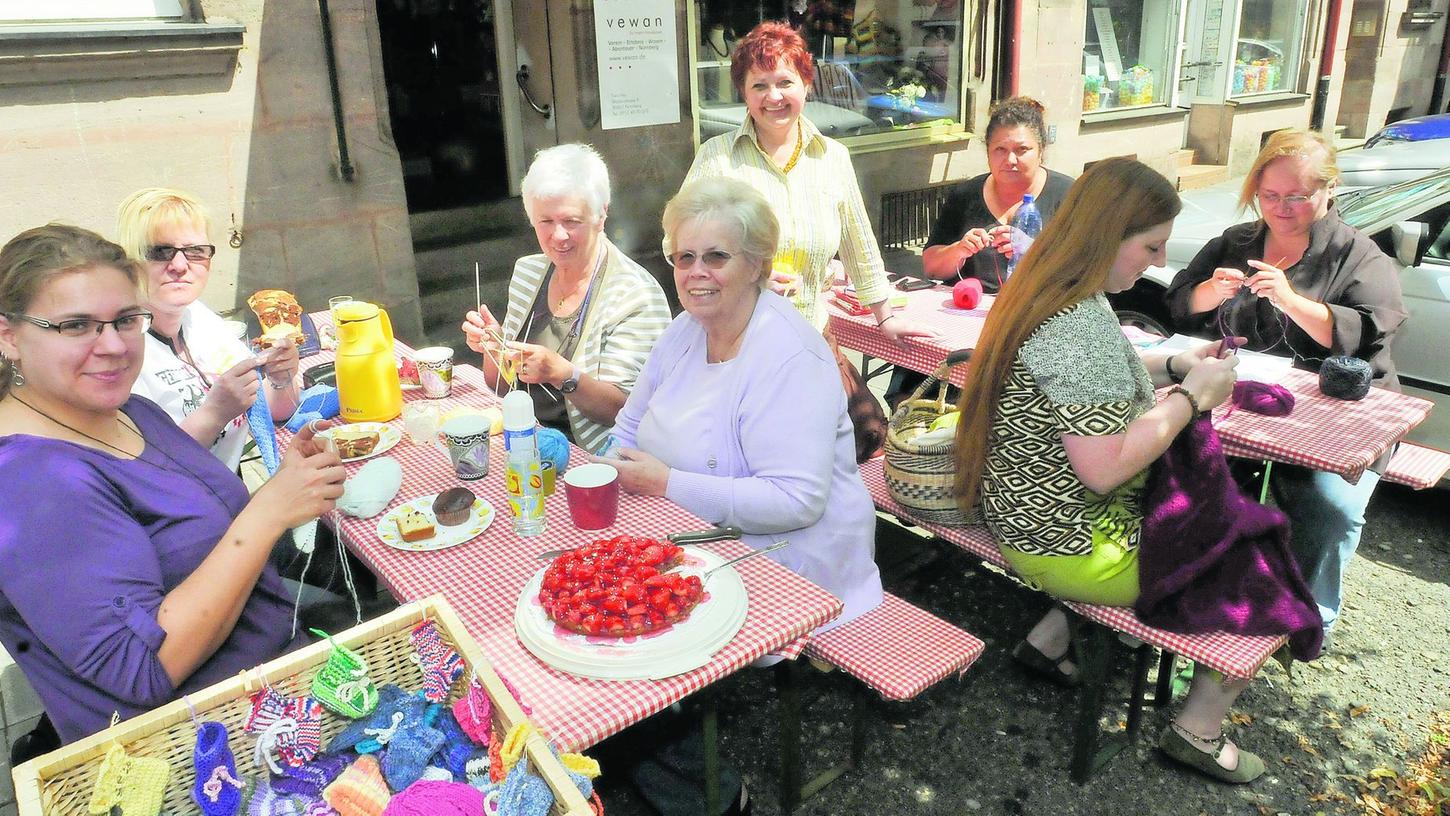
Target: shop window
[(50, 11), (881, 65), (1266, 52), (1128, 53)]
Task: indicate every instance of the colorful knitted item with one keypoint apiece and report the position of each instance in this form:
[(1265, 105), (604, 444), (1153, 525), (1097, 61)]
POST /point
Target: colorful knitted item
[(289, 728), (441, 664), (523, 794), (430, 798), (136, 785), (342, 684), (360, 790), (318, 808), (267, 802), (474, 712), (495, 759), (410, 748), (218, 791), (264, 432), (311, 779), (457, 747), (392, 700)]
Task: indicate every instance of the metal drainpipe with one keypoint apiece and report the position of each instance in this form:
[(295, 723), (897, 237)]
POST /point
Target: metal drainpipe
[(1437, 93), (344, 161), (1326, 66), (1014, 50)]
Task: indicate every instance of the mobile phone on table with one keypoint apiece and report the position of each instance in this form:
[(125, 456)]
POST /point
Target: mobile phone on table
[(913, 284)]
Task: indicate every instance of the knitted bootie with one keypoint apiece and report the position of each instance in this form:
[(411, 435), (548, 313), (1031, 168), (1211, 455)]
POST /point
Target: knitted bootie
[(457, 747), (267, 802), (524, 794), (360, 790), (290, 728), (218, 791), (308, 781), (136, 785), (441, 665), (410, 748), (474, 712), (342, 684), (392, 699)]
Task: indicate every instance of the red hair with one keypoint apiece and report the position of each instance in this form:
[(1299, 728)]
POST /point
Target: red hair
[(767, 45)]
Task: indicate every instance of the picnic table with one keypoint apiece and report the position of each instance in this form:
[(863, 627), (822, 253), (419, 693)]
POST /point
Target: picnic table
[(482, 580), (1323, 433)]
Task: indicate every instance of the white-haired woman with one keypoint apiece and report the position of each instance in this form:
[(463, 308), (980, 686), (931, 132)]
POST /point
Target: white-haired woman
[(582, 317)]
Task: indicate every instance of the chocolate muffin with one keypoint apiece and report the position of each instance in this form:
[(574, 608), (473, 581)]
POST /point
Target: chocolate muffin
[(453, 506)]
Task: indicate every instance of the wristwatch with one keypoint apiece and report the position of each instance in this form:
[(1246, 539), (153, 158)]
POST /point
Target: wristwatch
[(571, 384)]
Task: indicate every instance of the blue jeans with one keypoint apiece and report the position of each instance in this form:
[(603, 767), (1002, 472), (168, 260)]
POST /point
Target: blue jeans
[(1327, 514)]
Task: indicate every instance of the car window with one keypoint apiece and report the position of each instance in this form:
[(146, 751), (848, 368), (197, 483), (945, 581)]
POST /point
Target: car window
[(1372, 210)]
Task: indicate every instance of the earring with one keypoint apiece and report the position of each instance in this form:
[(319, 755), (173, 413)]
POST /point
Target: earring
[(17, 377)]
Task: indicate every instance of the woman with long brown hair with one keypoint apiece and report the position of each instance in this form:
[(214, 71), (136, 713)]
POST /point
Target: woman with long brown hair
[(1059, 426)]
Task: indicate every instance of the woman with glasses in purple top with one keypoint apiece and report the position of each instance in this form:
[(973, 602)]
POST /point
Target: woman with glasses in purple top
[(201, 373), (133, 564)]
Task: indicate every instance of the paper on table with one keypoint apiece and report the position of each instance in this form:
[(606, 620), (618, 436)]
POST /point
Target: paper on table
[(1253, 365)]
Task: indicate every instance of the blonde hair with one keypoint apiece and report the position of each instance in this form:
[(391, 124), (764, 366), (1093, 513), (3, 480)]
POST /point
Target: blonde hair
[(147, 212), (1112, 201), (730, 202), (1293, 143), (34, 258)]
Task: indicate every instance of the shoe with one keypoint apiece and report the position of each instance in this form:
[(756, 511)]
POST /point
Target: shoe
[(1049, 669), (1178, 748)]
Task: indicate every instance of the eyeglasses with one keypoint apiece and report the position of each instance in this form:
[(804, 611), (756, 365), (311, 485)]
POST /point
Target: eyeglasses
[(164, 254), (714, 259), (127, 325), (1273, 200)]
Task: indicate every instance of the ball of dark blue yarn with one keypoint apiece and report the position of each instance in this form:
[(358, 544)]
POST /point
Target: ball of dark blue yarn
[(1345, 377)]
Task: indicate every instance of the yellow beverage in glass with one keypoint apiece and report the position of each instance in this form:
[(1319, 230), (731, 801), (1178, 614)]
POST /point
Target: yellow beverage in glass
[(790, 261)]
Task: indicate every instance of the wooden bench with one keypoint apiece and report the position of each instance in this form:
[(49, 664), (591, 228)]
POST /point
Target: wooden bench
[(1417, 466), (898, 650), (1237, 656)]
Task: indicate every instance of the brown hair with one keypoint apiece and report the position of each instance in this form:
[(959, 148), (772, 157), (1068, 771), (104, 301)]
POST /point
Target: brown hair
[(1294, 143), (34, 258), (1018, 110), (1114, 200), (765, 46)]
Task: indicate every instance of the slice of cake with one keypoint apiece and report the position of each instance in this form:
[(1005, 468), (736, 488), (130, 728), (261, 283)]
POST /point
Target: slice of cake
[(414, 525), (352, 444)]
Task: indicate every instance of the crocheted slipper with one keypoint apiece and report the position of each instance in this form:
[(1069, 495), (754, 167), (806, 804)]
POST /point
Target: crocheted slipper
[(289, 727), (218, 791), (474, 713), (392, 699), (441, 664), (360, 790), (1181, 750), (342, 684), (1045, 667), (136, 785), (311, 779)]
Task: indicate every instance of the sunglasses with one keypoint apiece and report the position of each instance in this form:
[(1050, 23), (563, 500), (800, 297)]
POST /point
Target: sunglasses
[(164, 254), (714, 259)]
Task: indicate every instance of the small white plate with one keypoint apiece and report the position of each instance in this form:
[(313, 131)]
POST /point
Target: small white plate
[(388, 436), (443, 537)]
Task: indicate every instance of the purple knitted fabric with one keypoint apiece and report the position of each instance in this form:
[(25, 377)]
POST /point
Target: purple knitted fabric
[(267, 802), (1213, 559), (457, 747), (218, 790), (436, 799), (311, 779)]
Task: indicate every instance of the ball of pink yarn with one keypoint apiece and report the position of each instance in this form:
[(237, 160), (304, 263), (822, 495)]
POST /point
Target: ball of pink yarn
[(1263, 398), (433, 798)]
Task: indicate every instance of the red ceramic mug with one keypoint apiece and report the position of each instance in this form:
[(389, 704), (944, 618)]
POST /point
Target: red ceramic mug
[(592, 491)]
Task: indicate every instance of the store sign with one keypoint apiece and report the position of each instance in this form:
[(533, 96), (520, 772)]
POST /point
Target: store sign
[(639, 78)]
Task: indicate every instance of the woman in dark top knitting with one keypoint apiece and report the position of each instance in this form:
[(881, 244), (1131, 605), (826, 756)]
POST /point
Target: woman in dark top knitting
[(1301, 283), (975, 222)]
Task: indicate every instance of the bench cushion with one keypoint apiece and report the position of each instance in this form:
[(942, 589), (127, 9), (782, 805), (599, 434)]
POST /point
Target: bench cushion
[(1417, 466), (1238, 656), (897, 649)]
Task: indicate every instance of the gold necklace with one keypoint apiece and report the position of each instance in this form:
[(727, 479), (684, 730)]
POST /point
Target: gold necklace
[(80, 432), (795, 154)]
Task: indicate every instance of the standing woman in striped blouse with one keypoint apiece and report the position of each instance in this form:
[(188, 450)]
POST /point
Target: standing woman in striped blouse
[(811, 186)]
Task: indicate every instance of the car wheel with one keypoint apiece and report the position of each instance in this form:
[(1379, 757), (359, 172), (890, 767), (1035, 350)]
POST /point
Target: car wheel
[(1142, 307)]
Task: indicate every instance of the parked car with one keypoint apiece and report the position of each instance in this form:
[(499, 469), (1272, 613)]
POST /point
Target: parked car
[(1410, 220), (1418, 129), (1392, 163)]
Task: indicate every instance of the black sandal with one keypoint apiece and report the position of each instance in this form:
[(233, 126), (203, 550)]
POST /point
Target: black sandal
[(1050, 669)]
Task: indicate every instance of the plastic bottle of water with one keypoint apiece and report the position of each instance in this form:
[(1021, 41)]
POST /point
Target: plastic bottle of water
[(1026, 224), (525, 481)]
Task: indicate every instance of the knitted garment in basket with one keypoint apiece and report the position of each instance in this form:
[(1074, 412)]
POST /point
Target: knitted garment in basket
[(457, 748), (474, 712), (392, 700), (311, 779), (436, 799), (441, 664), (289, 728), (360, 791), (218, 791), (267, 802), (342, 684), (410, 748), (136, 785)]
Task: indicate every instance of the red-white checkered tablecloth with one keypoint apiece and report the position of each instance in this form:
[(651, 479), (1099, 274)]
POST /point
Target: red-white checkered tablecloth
[(482, 580), (1324, 433), (1234, 655)]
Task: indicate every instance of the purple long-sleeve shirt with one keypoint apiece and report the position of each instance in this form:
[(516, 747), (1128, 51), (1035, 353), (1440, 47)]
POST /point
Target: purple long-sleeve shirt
[(91, 543)]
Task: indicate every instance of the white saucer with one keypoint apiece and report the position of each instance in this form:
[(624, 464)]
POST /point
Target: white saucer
[(443, 537), (388, 436)]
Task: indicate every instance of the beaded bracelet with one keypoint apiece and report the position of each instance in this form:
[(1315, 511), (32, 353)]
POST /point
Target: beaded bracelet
[(1192, 400)]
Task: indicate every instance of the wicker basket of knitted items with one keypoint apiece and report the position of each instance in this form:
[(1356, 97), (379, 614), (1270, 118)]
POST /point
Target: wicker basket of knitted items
[(125, 765), (920, 476)]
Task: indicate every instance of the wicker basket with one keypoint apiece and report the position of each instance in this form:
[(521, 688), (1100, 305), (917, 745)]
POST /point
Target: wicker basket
[(919, 477), (61, 782)]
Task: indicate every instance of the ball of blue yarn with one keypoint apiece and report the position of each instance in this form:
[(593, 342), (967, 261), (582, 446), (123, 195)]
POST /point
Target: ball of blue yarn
[(554, 447), (1345, 377)]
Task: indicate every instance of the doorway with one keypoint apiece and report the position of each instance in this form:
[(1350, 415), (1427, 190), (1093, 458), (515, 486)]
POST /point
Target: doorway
[(1366, 32)]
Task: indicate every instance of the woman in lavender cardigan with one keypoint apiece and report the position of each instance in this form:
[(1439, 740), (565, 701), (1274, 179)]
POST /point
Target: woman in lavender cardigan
[(739, 415)]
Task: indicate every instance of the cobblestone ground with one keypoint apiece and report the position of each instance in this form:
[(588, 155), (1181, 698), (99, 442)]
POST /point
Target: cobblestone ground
[(998, 741)]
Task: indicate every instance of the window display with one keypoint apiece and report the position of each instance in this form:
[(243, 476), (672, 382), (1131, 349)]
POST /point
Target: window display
[(881, 65), (1266, 52), (1127, 53)]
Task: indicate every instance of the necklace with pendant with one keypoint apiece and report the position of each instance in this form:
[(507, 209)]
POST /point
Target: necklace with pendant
[(80, 432)]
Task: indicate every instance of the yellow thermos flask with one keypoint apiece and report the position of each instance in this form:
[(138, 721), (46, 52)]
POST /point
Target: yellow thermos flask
[(367, 373)]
